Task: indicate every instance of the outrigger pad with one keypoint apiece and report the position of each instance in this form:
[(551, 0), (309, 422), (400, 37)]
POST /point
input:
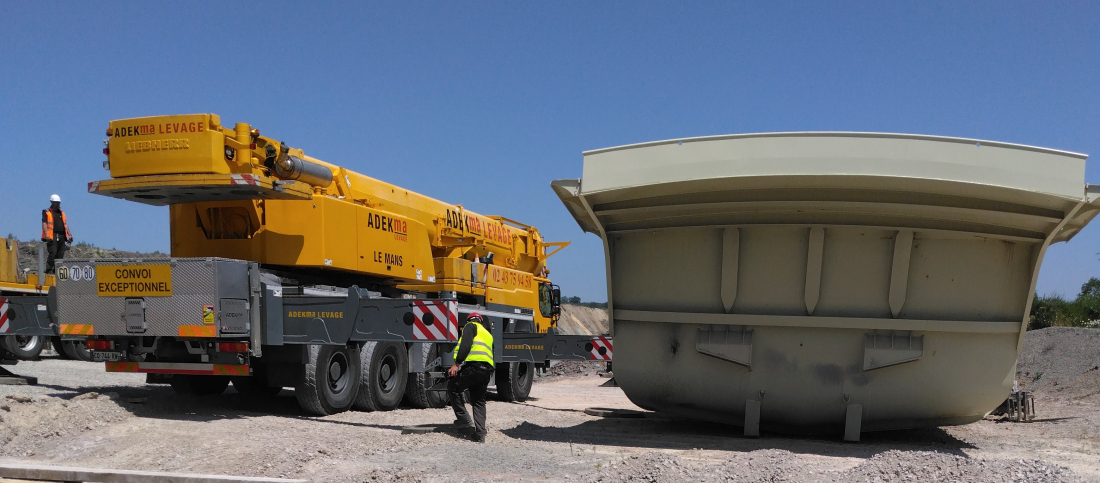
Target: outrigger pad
[(428, 428), (9, 378), (168, 189)]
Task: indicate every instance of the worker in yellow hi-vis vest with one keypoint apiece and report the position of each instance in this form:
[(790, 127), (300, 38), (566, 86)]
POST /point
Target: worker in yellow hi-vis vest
[(475, 356), (55, 232)]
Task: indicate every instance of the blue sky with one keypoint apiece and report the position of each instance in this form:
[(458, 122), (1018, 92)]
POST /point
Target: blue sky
[(485, 103)]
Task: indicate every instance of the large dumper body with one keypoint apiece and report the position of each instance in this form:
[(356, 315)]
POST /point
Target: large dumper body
[(805, 282)]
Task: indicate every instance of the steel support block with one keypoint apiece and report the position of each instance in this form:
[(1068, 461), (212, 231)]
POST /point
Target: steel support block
[(852, 422), (752, 419)]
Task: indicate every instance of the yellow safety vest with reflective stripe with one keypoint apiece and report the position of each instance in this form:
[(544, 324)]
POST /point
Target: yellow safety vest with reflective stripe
[(482, 348)]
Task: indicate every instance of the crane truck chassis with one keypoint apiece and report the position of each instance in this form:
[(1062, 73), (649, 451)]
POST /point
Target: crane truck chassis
[(339, 348), (290, 271)]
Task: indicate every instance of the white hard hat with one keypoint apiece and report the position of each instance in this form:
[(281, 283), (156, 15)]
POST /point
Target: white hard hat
[(55, 198)]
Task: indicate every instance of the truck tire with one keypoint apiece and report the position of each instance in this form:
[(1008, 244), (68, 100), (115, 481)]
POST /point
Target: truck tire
[(199, 385), (417, 394), (76, 349), (514, 381), (330, 381), (59, 347), (385, 372), (24, 347)]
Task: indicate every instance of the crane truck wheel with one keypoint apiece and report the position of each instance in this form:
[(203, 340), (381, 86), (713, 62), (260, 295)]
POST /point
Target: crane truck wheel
[(24, 347), (330, 381), (417, 393), (59, 347), (514, 381), (199, 385), (76, 349), (385, 372)]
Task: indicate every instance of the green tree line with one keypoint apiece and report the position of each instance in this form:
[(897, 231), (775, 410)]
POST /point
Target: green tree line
[(574, 300), (1054, 311)]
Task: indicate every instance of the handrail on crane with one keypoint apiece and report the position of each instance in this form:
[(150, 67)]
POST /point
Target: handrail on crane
[(510, 222), (560, 246)]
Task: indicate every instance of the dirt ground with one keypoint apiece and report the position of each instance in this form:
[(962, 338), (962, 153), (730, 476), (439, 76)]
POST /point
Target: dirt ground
[(577, 319), (81, 416)]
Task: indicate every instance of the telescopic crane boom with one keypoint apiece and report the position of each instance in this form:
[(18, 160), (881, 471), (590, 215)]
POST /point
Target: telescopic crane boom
[(235, 193)]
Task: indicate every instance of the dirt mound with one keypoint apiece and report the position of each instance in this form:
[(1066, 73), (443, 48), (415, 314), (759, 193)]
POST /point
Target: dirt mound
[(781, 465), (1061, 361), (28, 253), (897, 465), (580, 320), (574, 369), (650, 468), (29, 424), (760, 465)]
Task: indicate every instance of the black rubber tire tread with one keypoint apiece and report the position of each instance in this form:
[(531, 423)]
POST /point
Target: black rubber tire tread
[(417, 394), (199, 385), (30, 352), (59, 347), (511, 386), (372, 397), (76, 349), (314, 394)]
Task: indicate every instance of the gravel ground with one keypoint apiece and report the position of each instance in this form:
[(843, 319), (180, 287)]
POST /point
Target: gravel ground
[(82, 416), (567, 369), (1056, 357), (781, 465)]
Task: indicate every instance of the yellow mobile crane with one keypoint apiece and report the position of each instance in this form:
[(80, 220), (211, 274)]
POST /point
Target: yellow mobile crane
[(290, 271), (25, 326)]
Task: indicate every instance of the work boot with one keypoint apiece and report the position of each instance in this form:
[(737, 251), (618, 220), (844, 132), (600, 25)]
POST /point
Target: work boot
[(477, 438), (465, 430)]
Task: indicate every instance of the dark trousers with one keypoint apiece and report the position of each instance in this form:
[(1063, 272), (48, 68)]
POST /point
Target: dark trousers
[(54, 249), (475, 377)]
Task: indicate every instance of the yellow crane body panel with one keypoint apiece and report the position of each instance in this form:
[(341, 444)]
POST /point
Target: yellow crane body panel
[(236, 194)]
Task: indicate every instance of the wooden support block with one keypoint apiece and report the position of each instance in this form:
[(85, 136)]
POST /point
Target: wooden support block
[(68, 473), (428, 428)]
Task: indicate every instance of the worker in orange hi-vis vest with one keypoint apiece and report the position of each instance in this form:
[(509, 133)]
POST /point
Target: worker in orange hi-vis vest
[(55, 232)]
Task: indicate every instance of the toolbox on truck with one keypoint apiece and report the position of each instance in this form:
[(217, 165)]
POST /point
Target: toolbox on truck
[(176, 297)]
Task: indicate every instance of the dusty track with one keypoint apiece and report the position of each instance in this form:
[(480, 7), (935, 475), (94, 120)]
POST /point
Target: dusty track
[(549, 438)]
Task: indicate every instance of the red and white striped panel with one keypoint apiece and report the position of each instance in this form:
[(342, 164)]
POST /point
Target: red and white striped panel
[(93, 186), (601, 349), (4, 325), (248, 179), (444, 324)]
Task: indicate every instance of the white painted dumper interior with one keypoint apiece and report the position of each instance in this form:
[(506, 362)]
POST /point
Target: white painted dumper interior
[(820, 282)]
